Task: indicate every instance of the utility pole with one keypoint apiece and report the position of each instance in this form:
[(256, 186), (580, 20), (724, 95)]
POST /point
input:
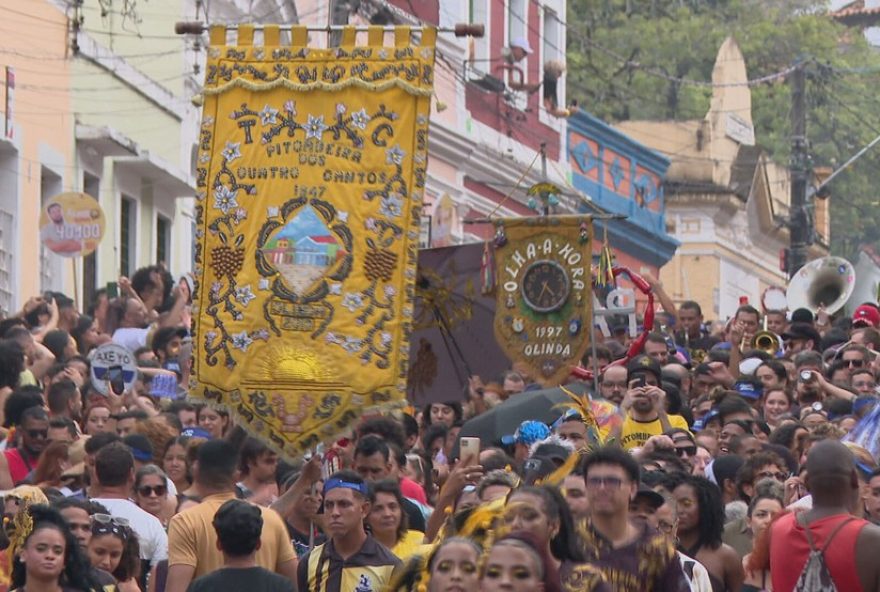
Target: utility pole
[(800, 224)]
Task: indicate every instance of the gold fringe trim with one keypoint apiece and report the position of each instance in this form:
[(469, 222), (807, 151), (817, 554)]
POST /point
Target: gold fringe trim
[(197, 395), (326, 86)]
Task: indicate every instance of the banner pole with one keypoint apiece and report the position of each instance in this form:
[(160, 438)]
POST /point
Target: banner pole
[(75, 285)]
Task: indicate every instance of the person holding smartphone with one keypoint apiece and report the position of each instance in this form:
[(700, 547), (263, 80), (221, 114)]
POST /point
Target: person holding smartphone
[(644, 405)]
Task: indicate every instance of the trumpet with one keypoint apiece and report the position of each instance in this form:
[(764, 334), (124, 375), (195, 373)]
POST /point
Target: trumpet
[(767, 341)]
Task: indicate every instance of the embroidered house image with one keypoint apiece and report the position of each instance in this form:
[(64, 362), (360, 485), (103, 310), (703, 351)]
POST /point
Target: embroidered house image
[(302, 250)]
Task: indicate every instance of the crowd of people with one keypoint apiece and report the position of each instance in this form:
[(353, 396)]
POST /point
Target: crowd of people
[(709, 461)]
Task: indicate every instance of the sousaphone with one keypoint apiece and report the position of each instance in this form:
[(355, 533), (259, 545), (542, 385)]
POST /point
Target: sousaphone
[(827, 282)]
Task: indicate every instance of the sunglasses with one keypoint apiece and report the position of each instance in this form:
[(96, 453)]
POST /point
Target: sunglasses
[(686, 450), (607, 482), (157, 490), (107, 524), (108, 519), (854, 363)]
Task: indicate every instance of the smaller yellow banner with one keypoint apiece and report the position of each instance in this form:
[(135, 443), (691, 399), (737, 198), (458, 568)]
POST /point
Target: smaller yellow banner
[(542, 310)]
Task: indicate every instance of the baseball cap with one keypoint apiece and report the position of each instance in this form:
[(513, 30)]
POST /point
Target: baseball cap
[(644, 363), (522, 43), (866, 315), (748, 389), (528, 432), (195, 433), (140, 446), (649, 495), (704, 421)]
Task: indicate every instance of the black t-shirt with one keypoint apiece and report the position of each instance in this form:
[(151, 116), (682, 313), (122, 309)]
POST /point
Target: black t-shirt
[(232, 579)]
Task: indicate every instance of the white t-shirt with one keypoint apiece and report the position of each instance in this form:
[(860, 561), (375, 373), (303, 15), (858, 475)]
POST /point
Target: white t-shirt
[(151, 536), (131, 338)]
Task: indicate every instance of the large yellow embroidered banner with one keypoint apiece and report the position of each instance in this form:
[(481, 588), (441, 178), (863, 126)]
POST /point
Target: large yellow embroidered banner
[(312, 166)]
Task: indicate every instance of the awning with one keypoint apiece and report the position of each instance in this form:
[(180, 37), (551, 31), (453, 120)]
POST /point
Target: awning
[(128, 156)]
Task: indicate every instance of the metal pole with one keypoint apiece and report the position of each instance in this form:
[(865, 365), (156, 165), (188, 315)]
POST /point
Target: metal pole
[(460, 29), (800, 218)]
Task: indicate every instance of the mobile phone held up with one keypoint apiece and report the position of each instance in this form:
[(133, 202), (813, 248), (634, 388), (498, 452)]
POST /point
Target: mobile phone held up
[(469, 451), (117, 382)]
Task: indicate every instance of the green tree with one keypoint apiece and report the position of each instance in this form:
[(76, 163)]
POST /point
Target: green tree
[(626, 59)]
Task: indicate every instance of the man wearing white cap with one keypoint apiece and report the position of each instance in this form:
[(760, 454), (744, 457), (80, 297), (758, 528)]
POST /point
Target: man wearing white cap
[(516, 52)]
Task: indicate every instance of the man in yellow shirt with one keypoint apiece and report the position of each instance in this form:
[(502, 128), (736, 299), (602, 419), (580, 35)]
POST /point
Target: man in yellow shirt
[(645, 405), (192, 539)]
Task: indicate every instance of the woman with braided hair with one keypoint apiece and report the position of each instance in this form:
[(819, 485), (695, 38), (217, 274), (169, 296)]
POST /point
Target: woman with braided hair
[(46, 556)]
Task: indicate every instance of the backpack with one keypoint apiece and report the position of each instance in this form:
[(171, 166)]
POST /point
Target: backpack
[(815, 576)]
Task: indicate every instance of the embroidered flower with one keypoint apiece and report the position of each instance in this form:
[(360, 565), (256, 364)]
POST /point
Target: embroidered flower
[(385, 337), (244, 295), (352, 301), (242, 341), (263, 284), (262, 334), (210, 336), (224, 199), (290, 107), (370, 224), (231, 151), (342, 216), (352, 345), (239, 214), (390, 292), (268, 116), (315, 127), (341, 109), (272, 212), (394, 155), (391, 206), (360, 119), (216, 287), (336, 289)]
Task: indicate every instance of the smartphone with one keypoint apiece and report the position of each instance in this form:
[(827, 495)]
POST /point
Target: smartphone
[(117, 382), (638, 381), (469, 451), (112, 290)]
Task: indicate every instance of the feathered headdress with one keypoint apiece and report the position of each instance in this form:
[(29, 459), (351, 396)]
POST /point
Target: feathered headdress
[(580, 404), (19, 530)]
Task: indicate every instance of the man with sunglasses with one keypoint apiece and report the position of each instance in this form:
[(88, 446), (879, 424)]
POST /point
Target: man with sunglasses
[(33, 437), (855, 357)]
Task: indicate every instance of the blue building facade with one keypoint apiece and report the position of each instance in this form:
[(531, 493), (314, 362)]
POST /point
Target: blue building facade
[(623, 177)]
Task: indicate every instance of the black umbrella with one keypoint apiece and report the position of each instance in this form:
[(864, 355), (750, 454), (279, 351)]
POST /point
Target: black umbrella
[(506, 417)]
